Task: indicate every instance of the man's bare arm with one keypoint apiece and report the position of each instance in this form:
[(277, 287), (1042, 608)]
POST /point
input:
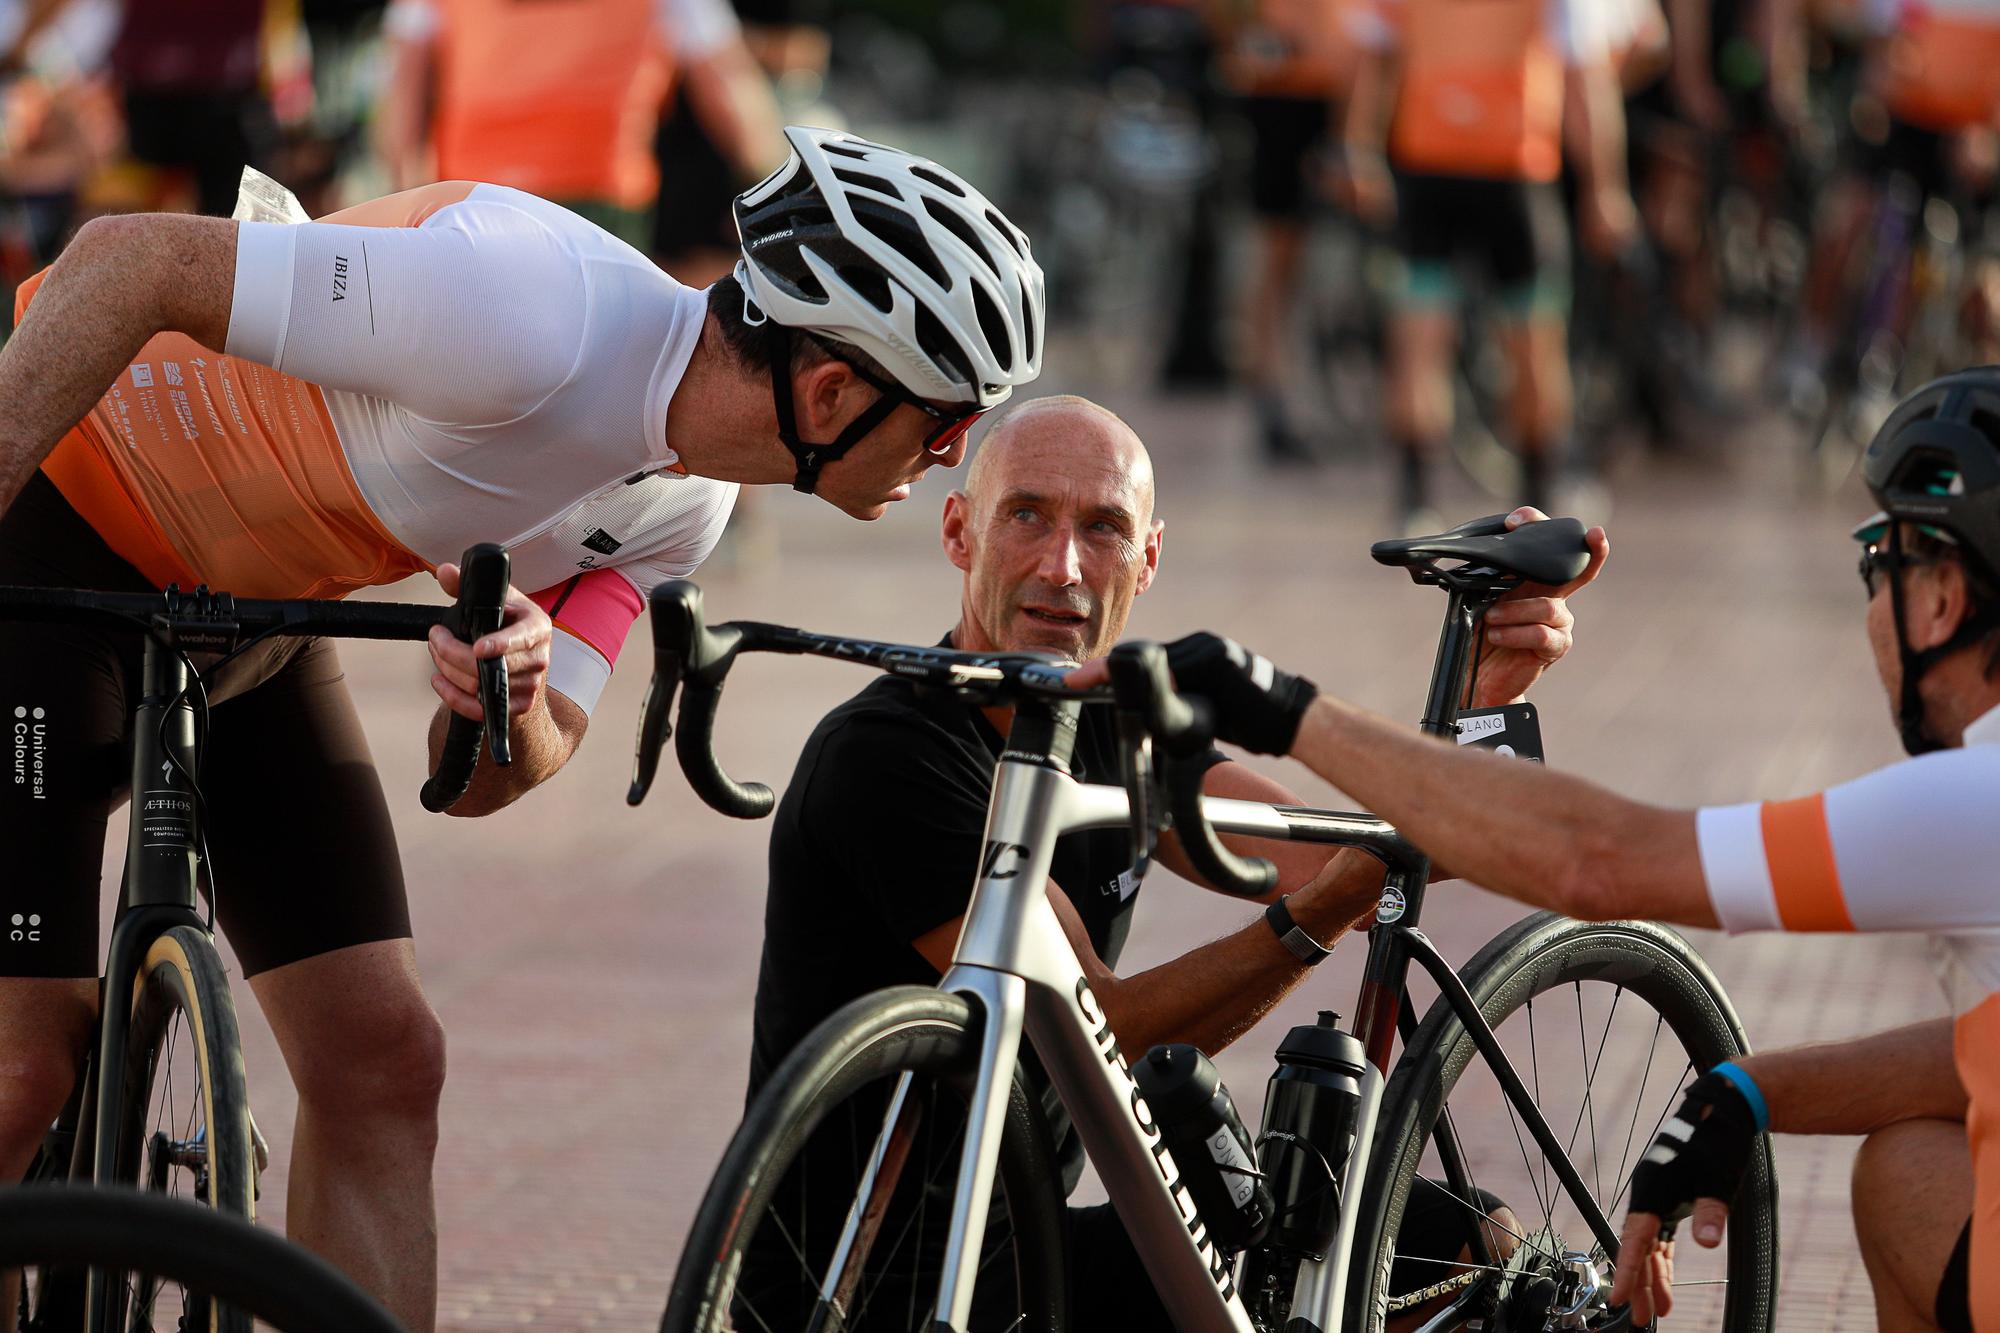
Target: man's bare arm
[(1858, 1086), (1535, 835), (122, 280)]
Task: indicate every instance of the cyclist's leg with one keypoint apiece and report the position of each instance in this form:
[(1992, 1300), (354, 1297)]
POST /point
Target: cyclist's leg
[(1285, 132), (313, 901), (1912, 1196), (1422, 332), (1527, 252), (1436, 1237)]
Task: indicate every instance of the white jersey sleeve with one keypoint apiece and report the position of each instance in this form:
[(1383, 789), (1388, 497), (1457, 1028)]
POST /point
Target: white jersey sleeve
[(1582, 30), (1914, 846), (428, 317)]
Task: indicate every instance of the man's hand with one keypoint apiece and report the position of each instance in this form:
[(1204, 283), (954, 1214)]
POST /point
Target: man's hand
[(1694, 1168), (1530, 629), (523, 639), (1252, 702)]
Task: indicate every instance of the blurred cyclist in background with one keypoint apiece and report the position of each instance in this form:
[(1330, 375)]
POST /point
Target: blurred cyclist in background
[(190, 73), (560, 98), (1292, 62), (1468, 106)]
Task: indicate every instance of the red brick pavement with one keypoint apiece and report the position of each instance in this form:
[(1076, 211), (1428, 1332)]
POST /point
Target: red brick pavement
[(594, 965)]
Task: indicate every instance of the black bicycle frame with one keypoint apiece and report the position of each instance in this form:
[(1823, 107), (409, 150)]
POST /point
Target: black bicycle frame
[(1395, 941)]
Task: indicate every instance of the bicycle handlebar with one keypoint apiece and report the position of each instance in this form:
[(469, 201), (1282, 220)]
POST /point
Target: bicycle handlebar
[(482, 602), (693, 659), (205, 621)]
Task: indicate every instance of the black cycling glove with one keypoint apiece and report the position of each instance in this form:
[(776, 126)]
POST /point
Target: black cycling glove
[(1702, 1152), (1256, 705)]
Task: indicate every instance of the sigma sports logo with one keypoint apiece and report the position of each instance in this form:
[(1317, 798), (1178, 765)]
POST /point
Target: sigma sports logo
[(602, 542), (31, 752), (1142, 1116), (340, 275)]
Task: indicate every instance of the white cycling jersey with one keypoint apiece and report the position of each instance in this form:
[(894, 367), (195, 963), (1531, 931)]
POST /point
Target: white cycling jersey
[(453, 364)]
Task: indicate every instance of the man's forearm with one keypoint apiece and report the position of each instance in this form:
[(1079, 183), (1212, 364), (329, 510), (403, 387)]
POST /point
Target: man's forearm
[(1520, 829), (538, 748), (97, 307), (1858, 1086), (1214, 994)]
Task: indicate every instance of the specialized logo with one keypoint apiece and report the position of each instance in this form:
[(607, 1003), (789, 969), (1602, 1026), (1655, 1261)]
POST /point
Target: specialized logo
[(31, 751), (602, 542), (1142, 1116), (340, 275), (27, 929), (997, 856)]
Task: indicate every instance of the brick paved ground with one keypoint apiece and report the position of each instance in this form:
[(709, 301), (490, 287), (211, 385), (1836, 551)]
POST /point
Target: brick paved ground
[(594, 964)]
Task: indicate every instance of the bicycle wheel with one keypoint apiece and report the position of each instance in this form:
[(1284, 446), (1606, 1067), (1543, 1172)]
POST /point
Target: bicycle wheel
[(1605, 1023), (764, 1239), (286, 1287), (184, 1127)]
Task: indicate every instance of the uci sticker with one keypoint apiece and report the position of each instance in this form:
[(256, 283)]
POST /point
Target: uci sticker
[(1390, 908)]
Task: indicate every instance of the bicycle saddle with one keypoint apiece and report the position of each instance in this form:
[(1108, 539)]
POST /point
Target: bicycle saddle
[(1549, 552)]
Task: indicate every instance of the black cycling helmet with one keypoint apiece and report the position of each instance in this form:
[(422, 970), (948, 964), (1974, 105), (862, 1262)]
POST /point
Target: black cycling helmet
[(1935, 463)]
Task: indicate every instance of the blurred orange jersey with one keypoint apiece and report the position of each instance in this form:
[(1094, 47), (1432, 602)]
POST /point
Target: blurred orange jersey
[(556, 97), (1296, 48), (1481, 92), (1941, 68)]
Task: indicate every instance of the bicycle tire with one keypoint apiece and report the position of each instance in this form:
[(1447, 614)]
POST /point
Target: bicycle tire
[(875, 1038), (1537, 955), (182, 976), (289, 1288)]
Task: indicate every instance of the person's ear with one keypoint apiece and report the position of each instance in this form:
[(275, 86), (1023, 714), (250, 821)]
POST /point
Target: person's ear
[(829, 395), (1155, 540), (1938, 602), (957, 540)]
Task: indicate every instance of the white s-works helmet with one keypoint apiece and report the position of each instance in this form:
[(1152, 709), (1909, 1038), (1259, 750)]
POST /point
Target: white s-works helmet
[(896, 256)]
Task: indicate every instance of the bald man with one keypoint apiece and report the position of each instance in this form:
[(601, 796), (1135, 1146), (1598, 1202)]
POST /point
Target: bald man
[(876, 843)]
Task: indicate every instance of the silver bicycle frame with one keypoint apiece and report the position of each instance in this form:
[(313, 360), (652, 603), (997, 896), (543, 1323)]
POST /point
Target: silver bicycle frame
[(1015, 962)]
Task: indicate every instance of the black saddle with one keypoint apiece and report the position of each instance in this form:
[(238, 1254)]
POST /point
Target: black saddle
[(1550, 552)]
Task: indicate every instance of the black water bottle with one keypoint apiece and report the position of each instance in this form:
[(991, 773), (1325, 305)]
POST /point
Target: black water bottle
[(1310, 1109), (1199, 1123)]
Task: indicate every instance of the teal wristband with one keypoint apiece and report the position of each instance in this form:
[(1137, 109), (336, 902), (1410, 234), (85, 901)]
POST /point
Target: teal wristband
[(1746, 1085)]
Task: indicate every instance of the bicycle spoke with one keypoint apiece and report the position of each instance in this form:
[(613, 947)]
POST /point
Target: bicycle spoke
[(1639, 1102), (1535, 1067), (1474, 1209), (1664, 1111)]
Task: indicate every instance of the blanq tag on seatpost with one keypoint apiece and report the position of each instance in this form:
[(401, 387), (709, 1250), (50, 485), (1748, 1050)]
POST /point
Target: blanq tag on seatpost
[(1511, 729)]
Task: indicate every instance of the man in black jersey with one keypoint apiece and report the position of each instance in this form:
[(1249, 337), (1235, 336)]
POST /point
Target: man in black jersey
[(876, 843)]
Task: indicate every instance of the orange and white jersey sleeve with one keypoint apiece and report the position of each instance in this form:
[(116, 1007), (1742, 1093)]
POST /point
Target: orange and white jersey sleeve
[(1914, 846), (1582, 32)]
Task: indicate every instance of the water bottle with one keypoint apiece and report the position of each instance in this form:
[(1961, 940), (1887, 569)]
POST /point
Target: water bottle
[(1310, 1108), (1199, 1123)]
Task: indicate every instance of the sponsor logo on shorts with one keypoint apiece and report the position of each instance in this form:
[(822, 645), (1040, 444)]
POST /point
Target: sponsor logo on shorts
[(31, 751)]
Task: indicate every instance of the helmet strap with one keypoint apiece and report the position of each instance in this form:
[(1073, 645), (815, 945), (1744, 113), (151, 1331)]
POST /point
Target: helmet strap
[(1915, 732), (812, 457)]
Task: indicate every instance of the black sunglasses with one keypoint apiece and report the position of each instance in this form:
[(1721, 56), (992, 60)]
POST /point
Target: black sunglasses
[(1875, 560)]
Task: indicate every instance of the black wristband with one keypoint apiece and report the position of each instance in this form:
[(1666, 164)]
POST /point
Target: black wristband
[(1297, 943)]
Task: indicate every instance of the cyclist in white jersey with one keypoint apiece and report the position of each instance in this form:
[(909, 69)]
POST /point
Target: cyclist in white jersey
[(286, 410), (1911, 847)]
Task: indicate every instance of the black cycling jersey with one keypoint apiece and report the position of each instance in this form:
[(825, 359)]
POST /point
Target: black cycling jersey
[(877, 842)]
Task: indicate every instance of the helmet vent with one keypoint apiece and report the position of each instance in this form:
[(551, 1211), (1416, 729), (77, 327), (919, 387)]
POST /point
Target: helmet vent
[(936, 340), (962, 229), (842, 150), (994, 327), (866, 181), (897, 233), (939, 179), (1028, 330), (1006, 229)]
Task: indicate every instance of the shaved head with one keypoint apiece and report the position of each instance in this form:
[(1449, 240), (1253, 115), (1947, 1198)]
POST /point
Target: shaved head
[(1054, 530), (1091, 432)]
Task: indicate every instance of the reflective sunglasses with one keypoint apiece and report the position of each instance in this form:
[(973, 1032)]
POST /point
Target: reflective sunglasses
[(1876, 560), (951, 426)]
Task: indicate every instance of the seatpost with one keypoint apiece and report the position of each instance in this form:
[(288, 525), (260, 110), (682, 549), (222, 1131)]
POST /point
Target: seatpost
[(160, 860), (1455, 642)]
